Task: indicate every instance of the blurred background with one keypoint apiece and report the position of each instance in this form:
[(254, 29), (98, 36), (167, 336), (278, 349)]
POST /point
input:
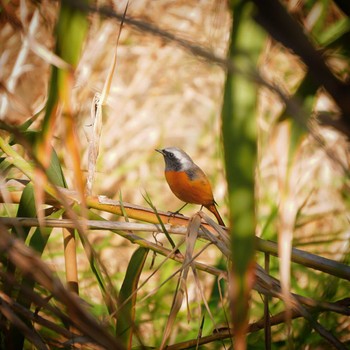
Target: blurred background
[(161, 95)]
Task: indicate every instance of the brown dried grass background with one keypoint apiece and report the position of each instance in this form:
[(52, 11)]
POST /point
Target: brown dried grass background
[(163, 96), (160, 96), (317, 172)]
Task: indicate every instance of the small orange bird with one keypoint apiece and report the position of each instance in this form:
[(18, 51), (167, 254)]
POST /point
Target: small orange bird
[(188, 181)]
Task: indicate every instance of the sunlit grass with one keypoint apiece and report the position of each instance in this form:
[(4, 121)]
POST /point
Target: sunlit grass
[(163, 96)]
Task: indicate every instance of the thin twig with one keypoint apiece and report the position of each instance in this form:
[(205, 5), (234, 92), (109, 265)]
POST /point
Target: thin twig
[(298, 256)]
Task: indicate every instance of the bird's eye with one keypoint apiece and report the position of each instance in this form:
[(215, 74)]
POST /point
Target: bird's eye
[(171, 155)]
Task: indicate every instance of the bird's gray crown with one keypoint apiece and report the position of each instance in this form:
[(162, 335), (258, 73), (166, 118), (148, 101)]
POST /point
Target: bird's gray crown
[(176, 159)]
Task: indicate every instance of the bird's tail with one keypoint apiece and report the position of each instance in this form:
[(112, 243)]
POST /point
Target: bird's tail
[(214, 210)]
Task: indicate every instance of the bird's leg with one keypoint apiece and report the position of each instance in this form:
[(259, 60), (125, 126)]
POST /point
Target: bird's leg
[(173, 213)]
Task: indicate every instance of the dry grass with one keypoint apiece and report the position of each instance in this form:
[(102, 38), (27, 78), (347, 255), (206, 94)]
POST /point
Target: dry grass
[(316, 177), (160, 96), (163, 96)]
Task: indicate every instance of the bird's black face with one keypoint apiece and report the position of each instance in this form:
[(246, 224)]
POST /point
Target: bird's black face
[(175, 159), (172, 163)]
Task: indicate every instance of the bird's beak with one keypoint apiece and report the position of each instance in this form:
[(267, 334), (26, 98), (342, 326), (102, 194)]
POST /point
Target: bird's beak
[(160, 151)]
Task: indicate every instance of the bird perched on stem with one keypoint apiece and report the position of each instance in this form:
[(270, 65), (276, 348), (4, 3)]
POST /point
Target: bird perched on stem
[(188, 181)]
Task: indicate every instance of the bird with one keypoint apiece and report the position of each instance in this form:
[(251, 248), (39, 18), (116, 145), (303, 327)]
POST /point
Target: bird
[(188, 181)]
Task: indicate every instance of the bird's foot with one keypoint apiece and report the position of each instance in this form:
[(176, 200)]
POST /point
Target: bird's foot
[(174, 213)]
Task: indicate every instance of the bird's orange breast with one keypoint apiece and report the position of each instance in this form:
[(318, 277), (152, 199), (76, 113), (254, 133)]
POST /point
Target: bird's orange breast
[(196, 190)]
